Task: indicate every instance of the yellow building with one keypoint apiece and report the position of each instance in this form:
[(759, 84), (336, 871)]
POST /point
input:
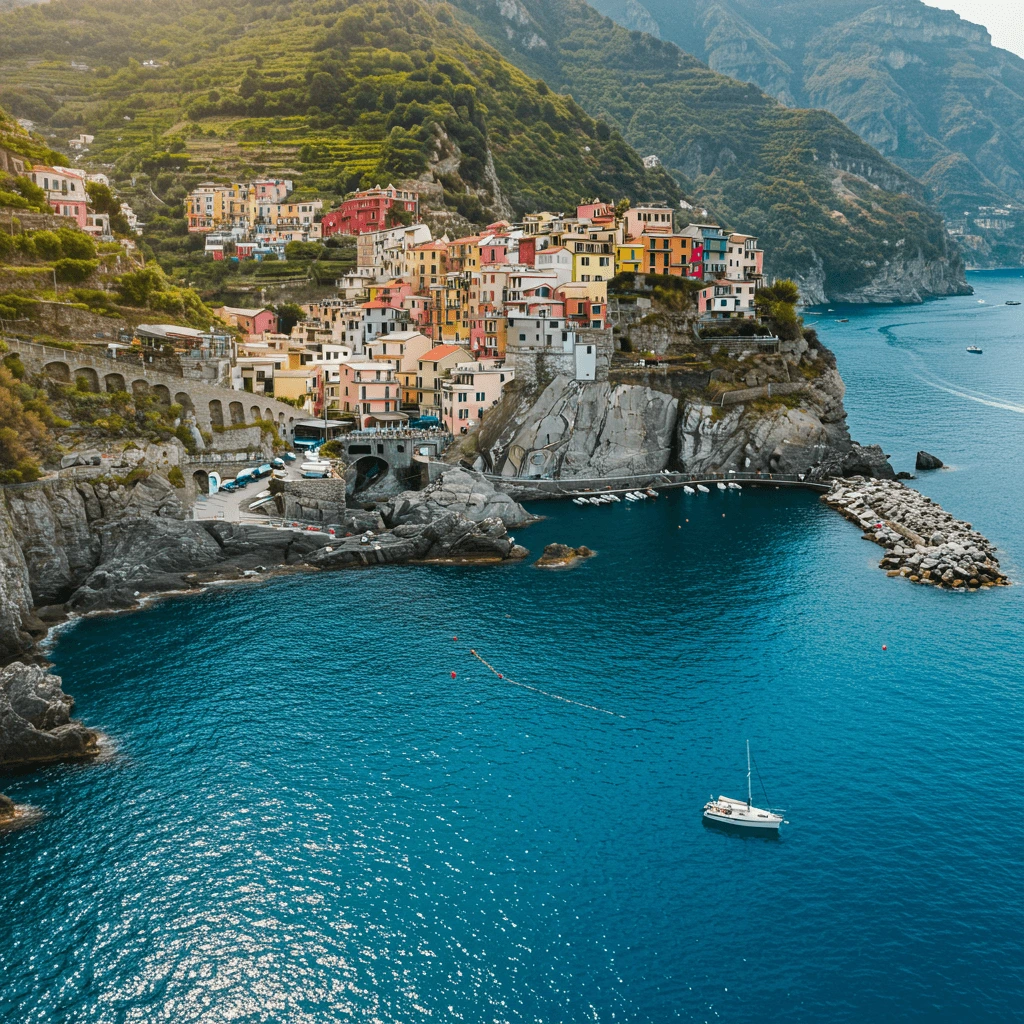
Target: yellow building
[(629, 258), (426, 265), (432, 368)]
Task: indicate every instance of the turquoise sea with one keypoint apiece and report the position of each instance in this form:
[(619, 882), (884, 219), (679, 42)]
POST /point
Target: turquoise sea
[(306, 818)]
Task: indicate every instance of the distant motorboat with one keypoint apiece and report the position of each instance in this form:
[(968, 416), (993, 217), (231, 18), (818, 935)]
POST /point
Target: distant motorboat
[(1012, 302), (687, 489), (720, 485), (845, 320), (737, 814), (974, 350), (703, 489)]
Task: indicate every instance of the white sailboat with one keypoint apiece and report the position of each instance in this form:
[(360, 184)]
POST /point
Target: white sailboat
[(737, 814)]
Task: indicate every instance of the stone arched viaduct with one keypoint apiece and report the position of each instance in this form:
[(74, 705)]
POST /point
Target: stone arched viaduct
[(212, 405)]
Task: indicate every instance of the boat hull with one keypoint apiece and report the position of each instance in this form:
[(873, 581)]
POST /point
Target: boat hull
[(741, 824)]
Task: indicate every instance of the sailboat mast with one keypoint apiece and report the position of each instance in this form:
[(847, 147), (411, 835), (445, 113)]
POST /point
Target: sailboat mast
[(748, 775)]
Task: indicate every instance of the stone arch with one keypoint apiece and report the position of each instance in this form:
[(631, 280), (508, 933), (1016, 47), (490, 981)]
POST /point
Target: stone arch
[(140, 388), (369, 470), (183, 399), (162, 393), (90, 376), (280, 419), (268, 414), (255, 413), (216, 413), (237, 412), (114, 382), (58, 370), (202, 481)]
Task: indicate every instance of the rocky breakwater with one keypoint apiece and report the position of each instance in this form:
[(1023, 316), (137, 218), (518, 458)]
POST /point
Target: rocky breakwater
[(923, 542)]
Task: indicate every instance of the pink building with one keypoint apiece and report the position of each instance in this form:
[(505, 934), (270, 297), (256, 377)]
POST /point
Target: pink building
[(370, 210), (597, 213), (470, 391), (65, 191), (372, 391), (648, 220), (251, 321)]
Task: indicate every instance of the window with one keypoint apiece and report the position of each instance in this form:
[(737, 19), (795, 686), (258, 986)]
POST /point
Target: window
[(481, 396)]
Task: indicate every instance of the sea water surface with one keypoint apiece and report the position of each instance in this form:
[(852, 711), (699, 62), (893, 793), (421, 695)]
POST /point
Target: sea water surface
[(306, 818)]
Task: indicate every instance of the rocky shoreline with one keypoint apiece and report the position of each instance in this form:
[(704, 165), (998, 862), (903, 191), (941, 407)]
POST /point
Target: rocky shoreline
[(923, 542)]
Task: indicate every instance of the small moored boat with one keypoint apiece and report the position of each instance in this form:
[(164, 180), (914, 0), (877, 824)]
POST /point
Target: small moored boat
[(737, 814), (687, 489), (720, 485), (651, 492), (733, 486), (974, 350), (703, 489)]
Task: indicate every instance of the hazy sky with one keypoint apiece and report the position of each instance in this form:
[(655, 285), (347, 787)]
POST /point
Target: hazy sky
[(1003, 18)]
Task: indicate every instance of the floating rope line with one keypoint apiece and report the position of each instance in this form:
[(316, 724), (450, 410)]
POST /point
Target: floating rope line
[(537, 689)]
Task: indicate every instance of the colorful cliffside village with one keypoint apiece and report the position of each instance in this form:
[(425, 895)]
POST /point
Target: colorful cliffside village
[(432, 329)]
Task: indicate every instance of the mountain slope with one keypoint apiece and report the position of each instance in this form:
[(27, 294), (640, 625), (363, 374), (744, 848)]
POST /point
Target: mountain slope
[(331, 92), (925, 87), (831, 211)]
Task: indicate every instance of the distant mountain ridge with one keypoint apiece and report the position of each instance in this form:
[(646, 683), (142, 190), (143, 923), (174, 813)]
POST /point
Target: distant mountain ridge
[(830, 210), (922, 85)]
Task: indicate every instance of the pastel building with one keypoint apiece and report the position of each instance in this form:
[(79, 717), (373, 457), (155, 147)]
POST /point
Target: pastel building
[(470, 391), (370, 389), (370, 210), (727, 300), (65, 191), (432, 368), (251, 321)]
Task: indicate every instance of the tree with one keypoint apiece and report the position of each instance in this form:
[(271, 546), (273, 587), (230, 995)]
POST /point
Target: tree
[(101, 198), (288, 315)]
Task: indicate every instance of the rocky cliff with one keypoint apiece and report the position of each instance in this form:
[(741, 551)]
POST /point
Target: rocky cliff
[(78, 542), (749, 411)]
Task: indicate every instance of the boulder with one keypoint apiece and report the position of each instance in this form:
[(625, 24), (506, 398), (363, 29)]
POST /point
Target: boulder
[(926, 461), (869, 461), (35, 719), (562, 556), (7, 810), (462, 491)]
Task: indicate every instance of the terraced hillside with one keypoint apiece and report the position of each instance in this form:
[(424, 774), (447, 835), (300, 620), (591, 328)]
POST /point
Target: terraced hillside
[(333, 94), (833, 212)]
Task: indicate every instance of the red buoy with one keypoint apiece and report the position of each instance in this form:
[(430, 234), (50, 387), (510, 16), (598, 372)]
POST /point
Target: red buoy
[(884, 648), (453, 675), (500, 676), (455, 638)]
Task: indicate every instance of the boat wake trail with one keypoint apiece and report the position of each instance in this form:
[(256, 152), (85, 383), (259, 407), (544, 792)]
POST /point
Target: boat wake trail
[(537, 689), (971, 396)]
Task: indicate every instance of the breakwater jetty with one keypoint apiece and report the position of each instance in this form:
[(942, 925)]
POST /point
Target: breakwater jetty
[(923, 542)]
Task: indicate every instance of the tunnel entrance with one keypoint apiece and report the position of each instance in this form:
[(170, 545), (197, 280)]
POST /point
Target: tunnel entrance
[(370, 470)]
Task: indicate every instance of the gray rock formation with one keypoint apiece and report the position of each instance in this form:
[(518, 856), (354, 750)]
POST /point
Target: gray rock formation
[(35, 719), (468, 494), (926, 461), (597, 429), (70, 546), (7, 809)]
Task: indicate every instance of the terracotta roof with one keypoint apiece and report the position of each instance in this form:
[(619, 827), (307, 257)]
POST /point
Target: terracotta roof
[(380, 304), (440, 352)]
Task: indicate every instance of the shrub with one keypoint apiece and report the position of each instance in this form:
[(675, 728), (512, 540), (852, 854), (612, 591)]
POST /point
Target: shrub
[(71, 271), (176, 477), (46, 245)]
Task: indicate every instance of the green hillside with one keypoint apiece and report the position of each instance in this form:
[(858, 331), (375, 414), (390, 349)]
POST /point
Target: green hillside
[(333, 94), (812, 190), (925, 87)]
